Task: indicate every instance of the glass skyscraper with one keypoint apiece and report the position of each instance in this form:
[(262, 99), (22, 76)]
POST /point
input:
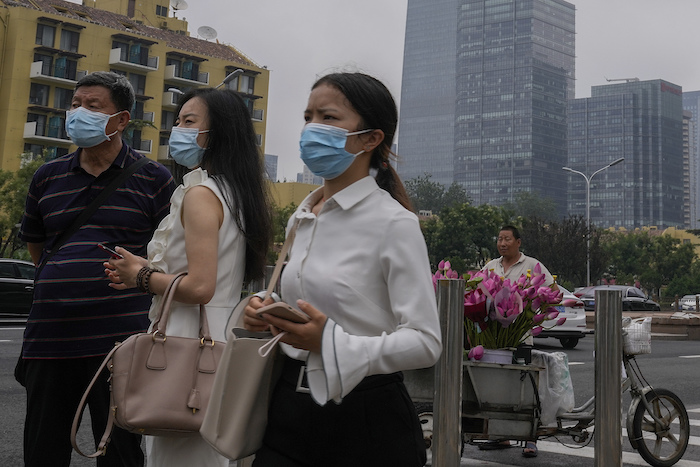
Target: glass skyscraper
[(641, 121), (484, 93), (691, 103)]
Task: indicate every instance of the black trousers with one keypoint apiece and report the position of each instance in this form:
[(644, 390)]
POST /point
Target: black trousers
[(375, 425), (54, 389)]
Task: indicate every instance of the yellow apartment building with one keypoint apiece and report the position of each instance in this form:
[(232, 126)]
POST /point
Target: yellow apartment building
[(46, 46)]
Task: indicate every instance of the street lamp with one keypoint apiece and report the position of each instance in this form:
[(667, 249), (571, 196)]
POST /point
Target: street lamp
[(588, 211)]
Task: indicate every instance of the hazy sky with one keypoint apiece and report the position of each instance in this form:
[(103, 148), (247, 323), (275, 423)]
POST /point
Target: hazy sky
[(299, 40)]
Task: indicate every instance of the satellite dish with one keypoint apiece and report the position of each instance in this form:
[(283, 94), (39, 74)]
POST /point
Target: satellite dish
[(178, 5), (206, 32)]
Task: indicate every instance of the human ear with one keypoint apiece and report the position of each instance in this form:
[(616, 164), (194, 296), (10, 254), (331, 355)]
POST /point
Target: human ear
[(123, 120), (373, 140)]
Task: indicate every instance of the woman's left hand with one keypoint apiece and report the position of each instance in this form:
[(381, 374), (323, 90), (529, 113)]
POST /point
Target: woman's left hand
[(122, 272), (306, 336)]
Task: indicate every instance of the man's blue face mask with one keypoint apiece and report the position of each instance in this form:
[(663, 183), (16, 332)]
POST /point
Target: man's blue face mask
[(87, 128)]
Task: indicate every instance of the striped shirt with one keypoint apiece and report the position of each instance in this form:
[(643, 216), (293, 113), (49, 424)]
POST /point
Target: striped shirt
[(75, 313)]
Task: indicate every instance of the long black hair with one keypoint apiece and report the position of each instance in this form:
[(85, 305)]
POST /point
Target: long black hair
[(234, 161), (377, 109)]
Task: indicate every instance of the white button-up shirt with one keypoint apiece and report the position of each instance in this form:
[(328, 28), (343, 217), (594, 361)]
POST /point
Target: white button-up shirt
[(363, 262)]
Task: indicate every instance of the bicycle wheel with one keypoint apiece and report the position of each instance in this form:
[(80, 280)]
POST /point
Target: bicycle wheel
[(661, 444)]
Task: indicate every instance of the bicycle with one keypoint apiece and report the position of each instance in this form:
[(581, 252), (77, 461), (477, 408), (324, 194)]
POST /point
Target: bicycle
[(657, 422)]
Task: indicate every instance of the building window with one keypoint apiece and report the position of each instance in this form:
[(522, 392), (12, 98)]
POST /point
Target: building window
[(64, 68), (39, 95), (69, 40), (247, 84), (47, 63), (167, 120), (138, 82), (63, 98), (161, 10), (132, 53), (186, 69), (45, 35)]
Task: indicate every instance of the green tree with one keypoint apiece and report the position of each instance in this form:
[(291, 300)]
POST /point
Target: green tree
[(13, 194), (561, 247), (428, 195), (533, 205), (465, 235)]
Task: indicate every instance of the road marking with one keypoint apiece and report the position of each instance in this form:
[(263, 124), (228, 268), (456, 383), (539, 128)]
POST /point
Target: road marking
[(632, 458), (576, 363), (694, 410), (689, 356), (5, 340)]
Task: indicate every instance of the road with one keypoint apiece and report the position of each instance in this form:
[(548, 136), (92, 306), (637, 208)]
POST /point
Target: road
[(673, 365)]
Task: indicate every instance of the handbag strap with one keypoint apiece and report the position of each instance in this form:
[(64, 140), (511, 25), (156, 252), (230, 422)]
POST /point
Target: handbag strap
[(102, 445), (280, 259), (90, 210)]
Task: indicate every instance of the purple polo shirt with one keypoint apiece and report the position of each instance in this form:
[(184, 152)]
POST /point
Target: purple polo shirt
[(75, 313)]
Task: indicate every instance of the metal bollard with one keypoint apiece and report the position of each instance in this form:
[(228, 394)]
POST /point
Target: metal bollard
[(447, 401), (608, 378)]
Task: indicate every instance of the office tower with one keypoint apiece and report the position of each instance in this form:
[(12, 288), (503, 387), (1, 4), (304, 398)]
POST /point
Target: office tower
[(691, 103), (271, 167), (642, 122), (484, 93)]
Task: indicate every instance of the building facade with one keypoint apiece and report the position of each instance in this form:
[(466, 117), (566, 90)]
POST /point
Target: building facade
[(641, 121), (47, 46), (691, 104), (484, 99)]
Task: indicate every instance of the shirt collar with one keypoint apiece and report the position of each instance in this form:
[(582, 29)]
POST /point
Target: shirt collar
[(118, 162), (353, 194)]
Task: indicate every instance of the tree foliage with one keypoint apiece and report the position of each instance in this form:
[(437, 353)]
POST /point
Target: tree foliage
[(13, 194), (655, 261), (428, 195), (465, 235)]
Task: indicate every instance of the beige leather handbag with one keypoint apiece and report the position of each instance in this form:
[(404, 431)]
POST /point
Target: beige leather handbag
[(160, 384)]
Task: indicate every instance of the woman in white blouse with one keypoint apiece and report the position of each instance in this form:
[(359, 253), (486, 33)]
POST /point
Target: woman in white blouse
[(359, 268)]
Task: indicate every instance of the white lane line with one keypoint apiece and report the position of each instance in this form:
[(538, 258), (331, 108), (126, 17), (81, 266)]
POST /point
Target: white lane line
[(576, 363), (689, 356), (697, 410), (631, 458)]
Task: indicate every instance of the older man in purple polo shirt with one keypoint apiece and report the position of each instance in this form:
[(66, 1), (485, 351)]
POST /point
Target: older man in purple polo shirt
[(76, 318)]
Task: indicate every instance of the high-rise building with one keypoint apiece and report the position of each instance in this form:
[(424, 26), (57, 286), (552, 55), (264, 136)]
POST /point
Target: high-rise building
[(271, 167), (641, 121), (46, 46), (307, 177), (483, 100), (691, 103)]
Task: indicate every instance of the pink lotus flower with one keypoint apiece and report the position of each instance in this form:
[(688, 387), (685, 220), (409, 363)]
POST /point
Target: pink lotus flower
[(561, 321), (536, 331), (476, 353)]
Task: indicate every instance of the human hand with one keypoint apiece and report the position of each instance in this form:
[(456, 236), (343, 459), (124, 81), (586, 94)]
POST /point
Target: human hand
[(250, 318), (122, 271), (306, 336)]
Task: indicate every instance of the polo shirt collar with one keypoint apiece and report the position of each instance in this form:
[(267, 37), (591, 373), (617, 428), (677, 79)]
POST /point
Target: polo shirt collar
[(118, 162)]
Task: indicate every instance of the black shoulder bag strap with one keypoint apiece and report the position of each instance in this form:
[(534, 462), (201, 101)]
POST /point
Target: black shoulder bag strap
[(91, 208)]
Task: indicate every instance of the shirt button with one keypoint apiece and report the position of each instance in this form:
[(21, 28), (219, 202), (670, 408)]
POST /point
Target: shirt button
[(298, 275)]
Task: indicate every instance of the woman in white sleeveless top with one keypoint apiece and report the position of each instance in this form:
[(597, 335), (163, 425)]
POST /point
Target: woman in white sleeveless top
[(218, 231)]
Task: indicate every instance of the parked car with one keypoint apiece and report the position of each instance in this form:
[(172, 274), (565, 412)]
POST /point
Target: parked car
[(633, 299), (16, 287), (686, 303), (581, 291), (574, 328)]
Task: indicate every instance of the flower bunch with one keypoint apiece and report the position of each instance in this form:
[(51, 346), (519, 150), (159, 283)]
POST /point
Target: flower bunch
[(499, 312)]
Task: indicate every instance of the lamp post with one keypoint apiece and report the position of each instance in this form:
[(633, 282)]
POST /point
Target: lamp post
[(588, 211)]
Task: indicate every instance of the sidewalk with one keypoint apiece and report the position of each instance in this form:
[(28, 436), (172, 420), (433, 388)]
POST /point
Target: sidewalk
[(666, 325)]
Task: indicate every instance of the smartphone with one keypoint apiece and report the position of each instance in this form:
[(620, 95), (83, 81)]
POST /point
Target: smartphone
[(284, 311), (114, 254)]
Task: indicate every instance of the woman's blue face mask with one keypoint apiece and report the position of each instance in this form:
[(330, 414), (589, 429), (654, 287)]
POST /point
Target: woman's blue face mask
[(323, 149), (184, 148)]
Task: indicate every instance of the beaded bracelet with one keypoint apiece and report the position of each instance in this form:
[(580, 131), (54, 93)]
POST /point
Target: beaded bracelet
[(143, 278)]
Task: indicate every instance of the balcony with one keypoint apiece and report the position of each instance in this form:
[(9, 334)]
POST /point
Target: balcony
[(134, 63), (46, 134), (55, 75), (257, 115), (170, 100), (195, 79)]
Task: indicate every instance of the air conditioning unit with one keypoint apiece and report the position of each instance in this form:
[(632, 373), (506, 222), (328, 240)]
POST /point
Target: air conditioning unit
[(164, 25)]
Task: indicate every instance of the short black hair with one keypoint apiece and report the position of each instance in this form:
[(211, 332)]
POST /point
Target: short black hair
[(513, 229), (120, 89)]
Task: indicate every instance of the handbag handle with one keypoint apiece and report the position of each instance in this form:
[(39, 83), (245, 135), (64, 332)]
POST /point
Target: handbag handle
[(161, 320)]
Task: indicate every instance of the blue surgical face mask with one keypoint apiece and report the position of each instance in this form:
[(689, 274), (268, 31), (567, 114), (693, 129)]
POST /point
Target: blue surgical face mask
[(87, 128), (184, 148), (323, 149)]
